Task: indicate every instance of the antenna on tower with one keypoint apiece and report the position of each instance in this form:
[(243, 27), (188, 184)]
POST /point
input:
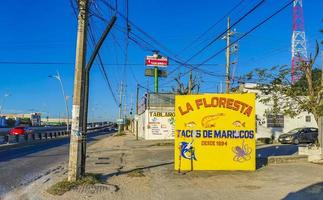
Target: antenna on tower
[(299, 52)]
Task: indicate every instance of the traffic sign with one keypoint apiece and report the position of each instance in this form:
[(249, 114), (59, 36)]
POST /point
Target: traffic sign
[(156, 61)]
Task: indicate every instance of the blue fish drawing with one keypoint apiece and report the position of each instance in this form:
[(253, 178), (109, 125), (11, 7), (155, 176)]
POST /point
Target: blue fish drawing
[(186, 150)]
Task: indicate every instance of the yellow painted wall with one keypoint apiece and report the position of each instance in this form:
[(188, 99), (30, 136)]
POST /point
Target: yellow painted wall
[(221, 129)]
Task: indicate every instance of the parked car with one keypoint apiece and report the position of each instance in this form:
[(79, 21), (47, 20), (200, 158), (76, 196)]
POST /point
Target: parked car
[(299, 135)]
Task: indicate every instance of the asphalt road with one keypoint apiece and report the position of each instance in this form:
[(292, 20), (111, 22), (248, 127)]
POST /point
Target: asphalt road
[(21, 165)]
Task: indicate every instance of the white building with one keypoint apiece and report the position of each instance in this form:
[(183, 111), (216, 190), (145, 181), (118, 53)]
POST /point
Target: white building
[(156, 118), (272, 126)]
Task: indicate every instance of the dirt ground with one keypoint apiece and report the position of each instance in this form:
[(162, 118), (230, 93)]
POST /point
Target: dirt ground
[(144, 170)]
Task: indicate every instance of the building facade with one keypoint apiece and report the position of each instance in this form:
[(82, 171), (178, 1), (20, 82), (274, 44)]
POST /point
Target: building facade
[(271, 126), (156, 116)]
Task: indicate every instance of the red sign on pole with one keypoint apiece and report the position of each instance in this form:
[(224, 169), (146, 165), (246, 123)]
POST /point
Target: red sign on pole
[(156, 62)]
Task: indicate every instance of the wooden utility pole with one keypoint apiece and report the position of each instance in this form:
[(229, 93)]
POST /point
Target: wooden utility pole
[(74, 166), (227, 69)]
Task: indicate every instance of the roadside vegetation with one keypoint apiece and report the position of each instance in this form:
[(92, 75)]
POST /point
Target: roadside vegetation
[(64, 186)]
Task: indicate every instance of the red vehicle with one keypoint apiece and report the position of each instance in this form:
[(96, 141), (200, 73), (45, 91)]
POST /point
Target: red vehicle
[(20, 130)]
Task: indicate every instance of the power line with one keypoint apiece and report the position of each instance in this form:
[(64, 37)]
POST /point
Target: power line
[(231, 26), (102, 69), (170, 58), (212, 26), (145, 34), (72, 63), (244, 35), (147, 44)]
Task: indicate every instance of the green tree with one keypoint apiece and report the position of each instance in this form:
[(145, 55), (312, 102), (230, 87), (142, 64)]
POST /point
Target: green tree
[(287, 98)]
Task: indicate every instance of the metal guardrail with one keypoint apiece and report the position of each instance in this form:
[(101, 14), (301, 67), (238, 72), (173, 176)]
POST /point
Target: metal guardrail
[(5, 131), (41, 135)]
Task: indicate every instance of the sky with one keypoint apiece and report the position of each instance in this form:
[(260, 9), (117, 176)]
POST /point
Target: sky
[(38, 39)]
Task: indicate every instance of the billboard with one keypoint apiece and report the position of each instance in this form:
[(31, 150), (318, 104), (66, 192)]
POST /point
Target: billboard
[(156, 61), (215, 132)]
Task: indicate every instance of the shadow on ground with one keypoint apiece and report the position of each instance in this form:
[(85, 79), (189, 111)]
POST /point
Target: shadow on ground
[(314, 191), (262, 153), (105, 177)]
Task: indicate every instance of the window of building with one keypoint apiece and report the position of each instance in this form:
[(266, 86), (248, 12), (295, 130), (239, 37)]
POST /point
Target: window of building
[(275, 121), (308, 118)]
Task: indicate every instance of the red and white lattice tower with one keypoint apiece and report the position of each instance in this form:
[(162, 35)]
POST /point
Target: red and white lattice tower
[(299, 52)]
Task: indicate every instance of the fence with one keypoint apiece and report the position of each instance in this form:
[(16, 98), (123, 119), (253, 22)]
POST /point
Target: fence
[(40, 135)]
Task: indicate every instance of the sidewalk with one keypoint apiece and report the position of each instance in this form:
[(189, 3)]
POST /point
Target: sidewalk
[(144, 170)]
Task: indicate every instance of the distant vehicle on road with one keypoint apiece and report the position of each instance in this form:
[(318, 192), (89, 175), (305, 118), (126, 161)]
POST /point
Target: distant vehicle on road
[(20, 130), (17, 131), (299, 135)]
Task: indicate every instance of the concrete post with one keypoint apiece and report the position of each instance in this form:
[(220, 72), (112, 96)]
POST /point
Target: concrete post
[(320, 124), (227, 69), (74, 167), (137, 106)]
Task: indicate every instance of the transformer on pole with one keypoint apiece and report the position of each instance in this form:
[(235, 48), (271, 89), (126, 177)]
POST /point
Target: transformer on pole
[(299, 52)]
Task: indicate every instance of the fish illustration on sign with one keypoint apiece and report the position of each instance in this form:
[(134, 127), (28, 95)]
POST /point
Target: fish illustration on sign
[(239, 124), (209, 121), (187, 151), (190, 124)]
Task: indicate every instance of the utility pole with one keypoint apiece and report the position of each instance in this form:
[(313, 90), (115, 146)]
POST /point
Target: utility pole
[(120, 108), (75, 153), (228, 52), (137, 103), (156, 79), (221, 87), (320, 125), (124, 113), (190, 82)]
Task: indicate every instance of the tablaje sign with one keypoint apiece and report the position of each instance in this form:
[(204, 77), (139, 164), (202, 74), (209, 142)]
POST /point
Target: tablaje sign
[(215, 132)]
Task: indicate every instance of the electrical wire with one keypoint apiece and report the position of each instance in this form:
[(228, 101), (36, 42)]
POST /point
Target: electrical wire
[(244, 35), (212, 26), (254, 8), (103, 71)]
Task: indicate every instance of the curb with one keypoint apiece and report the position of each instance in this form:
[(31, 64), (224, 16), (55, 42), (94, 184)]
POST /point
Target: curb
[(286, 159)]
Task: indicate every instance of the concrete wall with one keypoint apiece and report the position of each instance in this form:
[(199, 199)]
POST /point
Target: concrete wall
[(157, 123), (289, 123)]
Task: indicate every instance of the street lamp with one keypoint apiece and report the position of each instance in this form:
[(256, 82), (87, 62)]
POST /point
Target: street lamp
[(58, 77), (3, 101)]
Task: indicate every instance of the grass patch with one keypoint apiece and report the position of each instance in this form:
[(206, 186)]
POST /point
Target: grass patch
[(136, 173), (64, 186)]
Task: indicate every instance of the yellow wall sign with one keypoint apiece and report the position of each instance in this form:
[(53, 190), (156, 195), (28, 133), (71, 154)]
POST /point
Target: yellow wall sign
[(215, 132)]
